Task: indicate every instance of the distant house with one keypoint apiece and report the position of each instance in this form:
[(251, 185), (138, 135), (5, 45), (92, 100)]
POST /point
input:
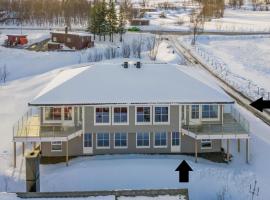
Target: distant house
[(139, 22), (110, 108), (16, 39), (72, 40)]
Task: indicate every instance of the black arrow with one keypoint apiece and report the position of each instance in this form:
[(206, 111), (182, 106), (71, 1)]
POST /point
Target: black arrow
[(184, 170), (260, 104)]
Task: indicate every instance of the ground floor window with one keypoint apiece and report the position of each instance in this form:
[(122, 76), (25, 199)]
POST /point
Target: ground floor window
[(103, 140), (88, 140), (160, 139), (56, 146), (120, 140), (175, 138), (206, 144), (143, 139)]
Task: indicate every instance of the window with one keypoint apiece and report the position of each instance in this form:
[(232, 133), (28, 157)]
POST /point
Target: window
[(206, 144), (175, 138), (120, 140), (56, 146), (54, 39), (68, 113), (103, 140), (68, 39), (161, 139), (195, 112), (143, 114), (161, 114), (120, 115), (209, 111), (53, 113), (88, 140), (102, 115), (143, 140)]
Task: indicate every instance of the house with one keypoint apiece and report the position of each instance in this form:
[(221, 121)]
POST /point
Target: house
[(139, 22), (73, 40), (16, 39), (110, 108)]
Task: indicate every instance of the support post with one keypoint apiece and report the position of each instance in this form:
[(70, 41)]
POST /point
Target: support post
[(247, 151), (23, 149), (238, 146), (14, 154), (196, 150), (228, 150), (67, 153)]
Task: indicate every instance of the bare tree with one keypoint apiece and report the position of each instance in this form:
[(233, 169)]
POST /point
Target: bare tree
[(3, 73), (153, 46), (196, 25), (125, 50)]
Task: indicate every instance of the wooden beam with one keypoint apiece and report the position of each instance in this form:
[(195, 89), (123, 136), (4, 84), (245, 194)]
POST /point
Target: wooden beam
[(247, 151), (23, 149), (228, 150), (238, 145), (67, 153), (14, 154), (196, 150)]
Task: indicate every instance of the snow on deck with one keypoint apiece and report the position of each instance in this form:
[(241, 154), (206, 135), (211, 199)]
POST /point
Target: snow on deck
[(110, 83)]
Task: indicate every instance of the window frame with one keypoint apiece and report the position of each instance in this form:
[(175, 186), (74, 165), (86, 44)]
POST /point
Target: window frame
[(143, 147), (120, 123), (103, 147), (60, 144), (151, 115), (197, 112), (179, 139), (208, 141), (91, 140), (211, 118), (120, 147), (154, 140), (102, 124), (62, 120), (154, 113)]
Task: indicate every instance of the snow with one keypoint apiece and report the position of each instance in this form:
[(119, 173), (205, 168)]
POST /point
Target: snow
[(165, 197), (131, 86), (73, 33)]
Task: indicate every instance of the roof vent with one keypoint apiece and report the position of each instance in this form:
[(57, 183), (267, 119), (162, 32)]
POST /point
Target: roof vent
[(138, 65), (125, 65)]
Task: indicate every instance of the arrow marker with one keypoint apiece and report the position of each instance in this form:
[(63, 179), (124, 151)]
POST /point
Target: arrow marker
[(184, 170), (260, 104)]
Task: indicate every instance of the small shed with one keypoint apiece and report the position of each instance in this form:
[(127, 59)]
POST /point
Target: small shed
[(16, 39), (139, 22)]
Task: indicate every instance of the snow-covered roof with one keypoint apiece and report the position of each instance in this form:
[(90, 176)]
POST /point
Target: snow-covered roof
[(110, 83), (72, 33)]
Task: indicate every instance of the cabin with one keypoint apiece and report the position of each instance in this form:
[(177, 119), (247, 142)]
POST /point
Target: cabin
[(72, 40), (131, 108), (139, 22), (16, 39)]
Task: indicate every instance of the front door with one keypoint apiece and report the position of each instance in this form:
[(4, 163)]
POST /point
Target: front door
[(175, 142), (88, 143)]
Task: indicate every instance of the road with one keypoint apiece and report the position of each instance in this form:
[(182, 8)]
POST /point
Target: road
[(238, 96)]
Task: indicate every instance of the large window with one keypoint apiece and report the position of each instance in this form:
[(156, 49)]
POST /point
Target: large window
[(161, 139), (102, 115), (53, 113), (103, 140), (206, 144), (143, 114), (68, 113), (175, 138), (120, 115), (56, 146), (88, 140), (162, 114), (209, 111), (195, 112), (120, 140), (143, 140)]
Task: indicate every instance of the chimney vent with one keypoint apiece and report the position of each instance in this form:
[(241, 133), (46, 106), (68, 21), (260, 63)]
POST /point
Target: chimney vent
[(138, 65), (125, 65), (66, 30)]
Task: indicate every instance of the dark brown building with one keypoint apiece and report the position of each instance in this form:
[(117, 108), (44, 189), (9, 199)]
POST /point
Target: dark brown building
[(73, 40), (139, 22)]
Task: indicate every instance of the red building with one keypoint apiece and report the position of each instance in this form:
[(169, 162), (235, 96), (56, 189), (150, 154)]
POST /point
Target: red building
[(16, 39)]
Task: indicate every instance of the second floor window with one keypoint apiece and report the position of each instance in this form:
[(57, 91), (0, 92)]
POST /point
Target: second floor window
[(162, 114), (143, 114), (68, 113), (209, 111), (195, 112), (120, 115), (52, 113), (103, 115)]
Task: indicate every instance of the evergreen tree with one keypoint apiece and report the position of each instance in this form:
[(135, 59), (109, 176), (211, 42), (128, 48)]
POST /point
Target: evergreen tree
[(121, 22), (112, 19)]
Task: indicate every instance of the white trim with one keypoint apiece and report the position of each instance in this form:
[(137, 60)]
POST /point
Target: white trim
[(210, 141), (143, 147), (151, 116), (120, 123), (61, 144), (102, 124), (107, 147), (161, 146), (120, 147), (169, 113)]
